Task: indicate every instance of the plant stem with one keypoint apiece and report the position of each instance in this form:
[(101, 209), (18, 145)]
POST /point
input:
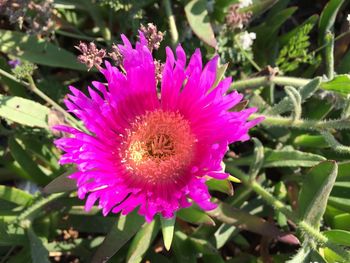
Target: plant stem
[(172, 24), (329, 55), (34, 88), (302, 124), (256, 187), (30, 213), (262, 81), (281, 207), (256, 66)]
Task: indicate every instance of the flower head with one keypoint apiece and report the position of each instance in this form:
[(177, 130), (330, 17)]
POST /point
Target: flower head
[(148, 150), (236, 19), (246, 39), (91, 55)]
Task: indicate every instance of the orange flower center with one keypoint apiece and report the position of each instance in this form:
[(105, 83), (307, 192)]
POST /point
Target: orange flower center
[(159, 147)]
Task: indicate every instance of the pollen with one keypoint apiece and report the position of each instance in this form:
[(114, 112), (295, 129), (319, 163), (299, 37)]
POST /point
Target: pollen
[(159, 147)]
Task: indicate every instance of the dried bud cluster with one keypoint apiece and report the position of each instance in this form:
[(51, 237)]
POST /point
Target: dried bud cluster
[(116, 55), (159, 70), (91, 55), (34, 16), (153, 36), (236, 19)]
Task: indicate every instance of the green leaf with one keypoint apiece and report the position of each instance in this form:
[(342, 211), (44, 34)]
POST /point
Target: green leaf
[(124, 229), (243, 220), (327, 18), (168, 231), (24, 111), (197, 16), (15, 195), (286, 104), (11, 235), (142, 241), (340, 237), (38, 251), (344, 171), (223, 186), (290, 158), (220, 73), (26, 162), (341, 221), (313, 141), (61, 184), (195, 216), (339, 84), (183, 248), (286, 37), (340, 203), (315, 191), (258, 159), (37, 51), (223, 234)]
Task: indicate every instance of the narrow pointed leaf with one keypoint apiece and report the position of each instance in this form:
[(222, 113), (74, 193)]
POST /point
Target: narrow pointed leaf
[(258, 159), (38, 251), (61, 184), (142, 241), (229, 215), (27, 163), (124, 229), (315, 191), (195, 216), (223, 186), (15, 195), (340, 237), (327, 18), (168, 231)]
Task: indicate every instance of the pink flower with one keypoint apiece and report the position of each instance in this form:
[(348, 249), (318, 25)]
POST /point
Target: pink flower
[(150, 152)]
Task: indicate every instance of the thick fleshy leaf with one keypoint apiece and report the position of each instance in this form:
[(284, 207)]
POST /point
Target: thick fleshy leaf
[(142, 241), (340, 237), (11, 235), (15, 195), (315, 191), (27, 163), (223, 186), (283, 158), (38, 251), (198, 18), (340, 84), (168, 231), (24, 111), (124, 229), (244, 220), (61, 184), (327, 18), (195, 216)]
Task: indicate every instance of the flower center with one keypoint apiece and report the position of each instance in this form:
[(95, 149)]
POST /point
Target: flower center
[(158, 147)]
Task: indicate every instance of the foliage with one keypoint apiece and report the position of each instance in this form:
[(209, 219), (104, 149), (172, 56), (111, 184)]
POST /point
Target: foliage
[(287, 199)]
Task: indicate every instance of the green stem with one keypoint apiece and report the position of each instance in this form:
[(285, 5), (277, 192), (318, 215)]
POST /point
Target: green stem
[(34, 88), (329, 55), (172, 24), (312, 232), (335, 39), (78, 36), (301, 123), (36, 208), (256, 187), (256, 66), (262, 81)]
